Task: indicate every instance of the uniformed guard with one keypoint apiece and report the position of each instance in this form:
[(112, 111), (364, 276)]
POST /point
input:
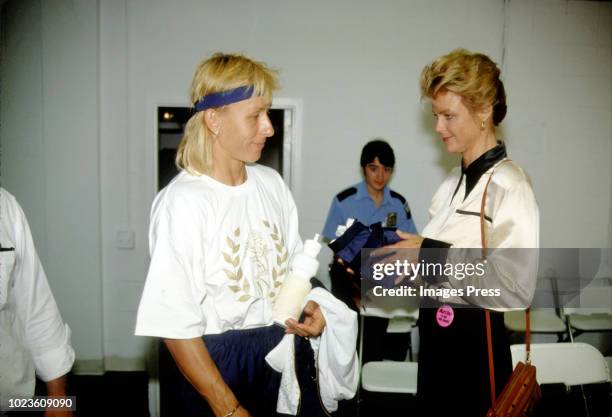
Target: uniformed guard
[(369, 201)]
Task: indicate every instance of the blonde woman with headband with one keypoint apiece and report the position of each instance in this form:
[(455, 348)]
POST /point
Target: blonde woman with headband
[(468, 102), (222, 235)]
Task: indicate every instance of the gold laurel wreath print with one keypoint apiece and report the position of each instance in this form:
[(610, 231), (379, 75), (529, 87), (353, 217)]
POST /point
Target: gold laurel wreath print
[(238, 282)]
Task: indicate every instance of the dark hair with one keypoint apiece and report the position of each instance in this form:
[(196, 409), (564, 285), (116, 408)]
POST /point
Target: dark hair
[(377, 149)]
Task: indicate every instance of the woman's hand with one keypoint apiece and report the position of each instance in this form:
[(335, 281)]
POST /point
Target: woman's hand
[(409, 241), (390, 255), (314, 322)]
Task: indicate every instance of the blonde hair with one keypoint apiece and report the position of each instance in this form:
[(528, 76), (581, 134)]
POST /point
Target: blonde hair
[(473, 76), (220, 72)]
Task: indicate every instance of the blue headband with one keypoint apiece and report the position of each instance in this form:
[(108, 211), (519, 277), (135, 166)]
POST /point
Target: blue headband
[(223, 98)]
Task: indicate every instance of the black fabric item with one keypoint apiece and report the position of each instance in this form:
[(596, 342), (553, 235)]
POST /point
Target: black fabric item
[(434, 244), (240, 357), (473, 213), (377, 344), (433, 252), (474, 171), (357, 237), (456, 189), (310, 404), (343, 284), (375, 338), (316, 283), (453, 374)]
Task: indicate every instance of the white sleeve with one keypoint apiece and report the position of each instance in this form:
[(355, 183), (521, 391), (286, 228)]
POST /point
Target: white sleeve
[(46, 335), (174, 291), (293, 239), (512, 261)]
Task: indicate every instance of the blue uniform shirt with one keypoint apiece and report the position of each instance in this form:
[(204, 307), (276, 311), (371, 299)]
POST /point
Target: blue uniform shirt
[(356, 203)]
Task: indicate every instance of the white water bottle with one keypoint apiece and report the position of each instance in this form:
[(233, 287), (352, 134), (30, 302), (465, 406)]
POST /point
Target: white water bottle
[(296, 285)]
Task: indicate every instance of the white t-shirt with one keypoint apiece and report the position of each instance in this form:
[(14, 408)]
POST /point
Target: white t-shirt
[(219, 254), (33, 337)]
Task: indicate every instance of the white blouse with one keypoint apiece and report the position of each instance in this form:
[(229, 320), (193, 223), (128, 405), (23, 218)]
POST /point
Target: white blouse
[(511, 229)]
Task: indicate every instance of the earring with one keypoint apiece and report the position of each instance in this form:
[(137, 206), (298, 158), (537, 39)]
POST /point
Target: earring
[(482, 125)]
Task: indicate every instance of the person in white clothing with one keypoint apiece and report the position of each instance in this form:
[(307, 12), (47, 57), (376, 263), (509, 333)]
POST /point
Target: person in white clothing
[(468, 101), (33, 338), (222, 235)]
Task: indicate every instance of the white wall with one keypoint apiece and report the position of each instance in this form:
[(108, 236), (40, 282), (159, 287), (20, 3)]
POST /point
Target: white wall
[(355, 66), (559, 77), (50, 155), (22, 163)]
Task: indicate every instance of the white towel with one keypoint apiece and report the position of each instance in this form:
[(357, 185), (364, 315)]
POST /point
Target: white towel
[(281, 360), (335, 357)]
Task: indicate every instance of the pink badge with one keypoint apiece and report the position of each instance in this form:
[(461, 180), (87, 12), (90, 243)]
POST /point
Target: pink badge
[(445, 315)]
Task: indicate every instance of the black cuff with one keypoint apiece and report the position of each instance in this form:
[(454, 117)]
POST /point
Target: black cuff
[(316, 283), (340, 242), (436, 252), (434, 244)]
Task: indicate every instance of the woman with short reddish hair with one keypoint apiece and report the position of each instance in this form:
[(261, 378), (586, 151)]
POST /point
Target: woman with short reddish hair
[(468, 101)]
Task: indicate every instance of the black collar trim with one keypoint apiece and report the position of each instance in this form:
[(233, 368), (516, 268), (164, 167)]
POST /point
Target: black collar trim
[(481, 165)]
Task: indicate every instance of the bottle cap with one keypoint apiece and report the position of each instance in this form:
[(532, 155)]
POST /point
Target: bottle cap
[(312, 247)]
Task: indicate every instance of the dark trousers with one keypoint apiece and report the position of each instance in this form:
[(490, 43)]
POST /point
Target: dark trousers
[(377, 343), (453, 375), (240, 358)]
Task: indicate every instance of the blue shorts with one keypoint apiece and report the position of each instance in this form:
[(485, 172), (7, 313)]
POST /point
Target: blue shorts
[(240, 358)]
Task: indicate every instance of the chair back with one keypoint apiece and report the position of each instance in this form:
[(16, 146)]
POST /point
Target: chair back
[(564, 363), (595, 298), (390, 307)]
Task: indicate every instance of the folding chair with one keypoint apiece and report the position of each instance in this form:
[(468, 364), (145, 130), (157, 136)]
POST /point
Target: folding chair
[(595, 313), (402, 317), (570, 364), (564, 363), (391, 376), (544, 320)]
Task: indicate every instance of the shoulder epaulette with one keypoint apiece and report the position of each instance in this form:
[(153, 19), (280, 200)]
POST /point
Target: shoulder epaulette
[(342, 195), (398, 196)]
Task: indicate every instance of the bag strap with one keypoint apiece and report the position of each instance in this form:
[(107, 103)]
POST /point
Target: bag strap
[(483, 242), (528, 335)]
